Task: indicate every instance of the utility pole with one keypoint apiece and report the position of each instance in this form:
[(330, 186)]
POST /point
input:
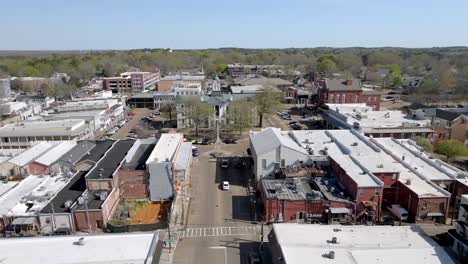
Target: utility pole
[(261, 238)]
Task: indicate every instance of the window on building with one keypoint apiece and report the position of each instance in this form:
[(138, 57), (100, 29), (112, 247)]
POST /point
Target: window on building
[(361, 192), (283, 163), (264, 163), (394, 176), (343, 97), (376, 192), (356, 98), (332, 97)]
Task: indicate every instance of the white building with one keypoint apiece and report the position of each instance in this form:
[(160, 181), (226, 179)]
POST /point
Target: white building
[(376, 123), (23, 134), (104, 248), (194, 89), (161, 165), (301, 244)]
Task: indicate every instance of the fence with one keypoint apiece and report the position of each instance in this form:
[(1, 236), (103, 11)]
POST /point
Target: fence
[(115, 228)]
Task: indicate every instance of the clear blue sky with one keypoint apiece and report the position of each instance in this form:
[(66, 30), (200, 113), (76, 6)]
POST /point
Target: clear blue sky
[(118, 24)]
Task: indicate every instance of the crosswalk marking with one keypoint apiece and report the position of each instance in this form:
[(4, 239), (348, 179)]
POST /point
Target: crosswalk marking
[(222, 231)]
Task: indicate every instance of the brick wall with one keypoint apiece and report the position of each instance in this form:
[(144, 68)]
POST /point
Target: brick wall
[(419, 207), (95, 219), (37, 168), (100, 184), (133, 184)]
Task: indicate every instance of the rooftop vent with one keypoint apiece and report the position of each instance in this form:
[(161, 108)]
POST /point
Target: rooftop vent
[(408, 182), (331, 255), (354, 144), (80, 242), (380, 166), (334, 240)]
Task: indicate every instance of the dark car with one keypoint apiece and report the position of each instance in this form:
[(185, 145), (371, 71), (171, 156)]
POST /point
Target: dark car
[(230, 141)]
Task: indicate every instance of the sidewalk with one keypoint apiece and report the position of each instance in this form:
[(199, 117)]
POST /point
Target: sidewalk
[(178, 222), (167, 254)]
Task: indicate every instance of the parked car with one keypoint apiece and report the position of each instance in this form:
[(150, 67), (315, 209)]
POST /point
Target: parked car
[(156, 113), (292, 123), (195, 152), (398, 211), (131, 114), (225, 185), (199, 141), (224, 164), (287, 117), (230, 141)]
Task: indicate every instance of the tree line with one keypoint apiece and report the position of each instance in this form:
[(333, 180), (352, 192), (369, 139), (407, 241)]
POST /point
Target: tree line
[(444, 69)]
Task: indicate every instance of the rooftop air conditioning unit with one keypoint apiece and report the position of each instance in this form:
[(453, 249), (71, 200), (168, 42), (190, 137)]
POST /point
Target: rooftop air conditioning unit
[(380, 166), (408, 182), (334, 240)]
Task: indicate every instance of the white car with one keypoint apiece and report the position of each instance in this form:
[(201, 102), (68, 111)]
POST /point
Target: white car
[(398, 211), (225, 185)]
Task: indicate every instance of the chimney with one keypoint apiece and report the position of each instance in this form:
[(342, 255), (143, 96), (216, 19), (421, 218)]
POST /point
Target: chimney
[(349, 82)]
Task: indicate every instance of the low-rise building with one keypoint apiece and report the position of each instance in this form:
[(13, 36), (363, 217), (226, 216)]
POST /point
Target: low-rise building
[(460, 233), (374, 123), (42, 164), (349, 91), (133, 176), (18, 166), (161, 167), (132, 82), (67, 163), (169, 81), (101, 176), (22, 134), (371, 174), (250, 80), (237, 69), (56, 217), (300, 244), (140, 248)]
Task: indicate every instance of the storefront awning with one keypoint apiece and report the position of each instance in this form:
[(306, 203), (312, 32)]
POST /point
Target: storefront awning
[(23, 221)]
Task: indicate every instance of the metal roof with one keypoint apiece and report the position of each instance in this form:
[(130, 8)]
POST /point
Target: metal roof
[(111, 160)]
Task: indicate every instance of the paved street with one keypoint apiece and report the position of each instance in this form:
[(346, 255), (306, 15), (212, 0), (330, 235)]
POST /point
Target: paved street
[(140, 113), (219, 228)]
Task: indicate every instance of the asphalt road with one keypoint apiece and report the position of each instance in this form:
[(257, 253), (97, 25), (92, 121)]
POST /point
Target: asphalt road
[(219, 228), (140, 113)]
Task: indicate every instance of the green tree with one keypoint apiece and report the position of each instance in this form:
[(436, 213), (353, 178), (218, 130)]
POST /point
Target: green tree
[(424, 143), (221, 68), (198, 112), (327, 66), (395, 77), (267, 102), (450, 148), (240, 114), (168, 109)]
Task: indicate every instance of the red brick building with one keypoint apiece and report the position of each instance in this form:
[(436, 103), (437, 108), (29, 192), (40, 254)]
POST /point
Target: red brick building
[(347, 91)]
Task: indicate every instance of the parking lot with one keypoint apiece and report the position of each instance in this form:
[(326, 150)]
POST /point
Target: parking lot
[(139, 113), (300, 119)]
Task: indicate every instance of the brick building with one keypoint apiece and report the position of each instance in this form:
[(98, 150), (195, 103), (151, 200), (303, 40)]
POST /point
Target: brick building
[(347, 91), (370, 172), (132, 82)]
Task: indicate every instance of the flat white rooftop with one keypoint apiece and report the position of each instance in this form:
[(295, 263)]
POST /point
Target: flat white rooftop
[(40, 196), (108, 248), (369, 119), (56, 152), (30, 154), (6, 187), (43, 128), (165, 148), (14, 196), (304, 244), (414, 159)]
